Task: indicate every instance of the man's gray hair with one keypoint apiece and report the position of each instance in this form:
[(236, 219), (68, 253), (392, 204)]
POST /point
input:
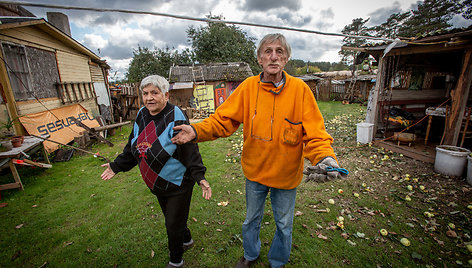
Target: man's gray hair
[(157, 81), (271, 38)]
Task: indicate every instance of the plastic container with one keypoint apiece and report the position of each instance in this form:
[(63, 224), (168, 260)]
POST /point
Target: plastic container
[(469, 169), (365, 132), (450, 160)]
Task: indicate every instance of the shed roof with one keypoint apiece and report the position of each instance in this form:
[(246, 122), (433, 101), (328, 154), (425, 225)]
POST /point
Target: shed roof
[(42, 24), (454, 39), (230, 71)]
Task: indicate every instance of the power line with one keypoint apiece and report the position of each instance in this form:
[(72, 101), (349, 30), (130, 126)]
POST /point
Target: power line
[(193, 19)]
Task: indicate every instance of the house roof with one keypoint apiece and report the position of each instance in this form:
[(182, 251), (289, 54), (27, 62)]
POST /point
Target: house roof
[(308, 77), (365, 77), (230, 71), (43, 25)]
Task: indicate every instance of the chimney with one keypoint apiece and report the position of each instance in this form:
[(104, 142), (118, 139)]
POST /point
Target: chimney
[(60, 20)]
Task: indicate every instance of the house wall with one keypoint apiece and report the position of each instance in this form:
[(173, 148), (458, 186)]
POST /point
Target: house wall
[(72, 66), (181, 97)]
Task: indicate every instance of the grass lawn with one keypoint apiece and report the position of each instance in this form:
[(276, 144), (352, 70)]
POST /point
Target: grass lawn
[(68, 217)]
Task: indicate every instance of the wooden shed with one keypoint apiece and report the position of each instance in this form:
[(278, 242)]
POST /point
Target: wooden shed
[(205, 86), (357, 88), (44, 68), (422, 88), (313, 82)]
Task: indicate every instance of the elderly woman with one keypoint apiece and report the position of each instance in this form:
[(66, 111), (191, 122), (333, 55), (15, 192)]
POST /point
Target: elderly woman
[(170, 171)]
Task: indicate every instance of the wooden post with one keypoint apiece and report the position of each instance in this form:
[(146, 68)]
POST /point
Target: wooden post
[(10, 100), (373, 102), (458, 101)]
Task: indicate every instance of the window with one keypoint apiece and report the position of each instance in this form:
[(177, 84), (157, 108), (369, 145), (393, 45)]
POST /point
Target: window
[(32, 71)]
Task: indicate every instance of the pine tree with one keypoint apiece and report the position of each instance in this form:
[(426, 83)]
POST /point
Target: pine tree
[(431, 16)]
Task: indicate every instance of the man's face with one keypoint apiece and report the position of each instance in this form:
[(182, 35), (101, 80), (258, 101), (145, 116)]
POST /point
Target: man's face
[(154, 100), (273, 58)]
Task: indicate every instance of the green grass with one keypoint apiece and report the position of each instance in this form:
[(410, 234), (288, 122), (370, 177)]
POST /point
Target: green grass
[(68, 217)]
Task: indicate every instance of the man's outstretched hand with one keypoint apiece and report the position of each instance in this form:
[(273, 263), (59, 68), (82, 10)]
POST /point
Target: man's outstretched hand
[(185, 134), (321, 173)]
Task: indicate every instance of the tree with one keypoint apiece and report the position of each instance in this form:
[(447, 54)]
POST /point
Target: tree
[(146, 62), (466, 9), (392, 26), (218, 42), (143, 64), (357, 27), (431, 16)]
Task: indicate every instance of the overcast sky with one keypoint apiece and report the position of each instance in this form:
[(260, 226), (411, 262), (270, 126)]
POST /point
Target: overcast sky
[(113, 36)]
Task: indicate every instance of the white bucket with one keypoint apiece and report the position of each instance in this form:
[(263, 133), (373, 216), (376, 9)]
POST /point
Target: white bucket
[(469, 169), (364, 132), (450, 160)]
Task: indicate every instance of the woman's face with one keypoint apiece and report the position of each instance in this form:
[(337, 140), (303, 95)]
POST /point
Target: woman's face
[(154, 99)]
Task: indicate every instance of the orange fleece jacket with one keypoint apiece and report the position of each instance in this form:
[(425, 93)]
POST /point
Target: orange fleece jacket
[(272, 152)]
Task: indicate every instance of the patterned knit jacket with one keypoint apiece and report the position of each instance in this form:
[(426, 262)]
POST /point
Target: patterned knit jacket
[(163, 165)]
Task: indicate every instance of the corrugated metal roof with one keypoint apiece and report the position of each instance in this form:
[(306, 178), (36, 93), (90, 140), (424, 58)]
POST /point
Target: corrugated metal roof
[(231, 71), (424, 38)]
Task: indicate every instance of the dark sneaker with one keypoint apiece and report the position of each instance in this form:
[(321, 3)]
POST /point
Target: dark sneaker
[(188, 245), (174, 265), (243, 263)]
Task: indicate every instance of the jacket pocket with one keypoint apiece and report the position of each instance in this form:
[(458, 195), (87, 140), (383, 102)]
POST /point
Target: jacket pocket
[(292, 132)]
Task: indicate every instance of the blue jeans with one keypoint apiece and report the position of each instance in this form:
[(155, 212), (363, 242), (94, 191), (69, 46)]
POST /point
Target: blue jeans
[(283, 205)]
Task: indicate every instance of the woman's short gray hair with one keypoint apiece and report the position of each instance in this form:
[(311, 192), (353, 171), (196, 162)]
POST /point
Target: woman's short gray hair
[(271, 38), (157, 81)]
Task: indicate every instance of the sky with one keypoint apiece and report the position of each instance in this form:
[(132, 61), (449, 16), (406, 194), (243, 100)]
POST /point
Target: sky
[(113, 36)]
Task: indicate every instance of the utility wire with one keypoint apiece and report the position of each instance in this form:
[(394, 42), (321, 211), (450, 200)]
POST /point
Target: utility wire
[(193, 19)]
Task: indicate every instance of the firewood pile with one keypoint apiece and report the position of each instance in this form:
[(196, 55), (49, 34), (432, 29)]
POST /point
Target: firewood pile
[(200, 114), (195, 114)]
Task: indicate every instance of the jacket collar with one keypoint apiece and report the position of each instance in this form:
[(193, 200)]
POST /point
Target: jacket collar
[(270, 86)]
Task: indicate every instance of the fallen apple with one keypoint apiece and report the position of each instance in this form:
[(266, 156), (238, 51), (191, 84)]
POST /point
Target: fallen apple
[(422, 188), (407, 198), (452, 225), (331, 201), (410, 188), (356, 195), (469, 206), (364, 185), (469, 247), (405, 242), (428, 214), (341, 218), (383, 232), (340, 191)]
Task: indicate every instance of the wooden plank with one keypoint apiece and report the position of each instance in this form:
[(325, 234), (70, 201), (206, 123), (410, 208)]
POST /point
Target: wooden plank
[(80, 91), (459, 98), (15, 174), (92, 132), (98, 129), (74, 91), (7, 186), (42, 165), (407, 151), (60, 92), (10, 98), (66, 87)]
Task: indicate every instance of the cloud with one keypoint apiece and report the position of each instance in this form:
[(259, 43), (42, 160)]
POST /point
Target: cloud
[(381, 15), (327, 13), (294, 19), (265, 5)]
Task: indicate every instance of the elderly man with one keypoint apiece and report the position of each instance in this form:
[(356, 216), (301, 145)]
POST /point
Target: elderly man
[(282, 125)]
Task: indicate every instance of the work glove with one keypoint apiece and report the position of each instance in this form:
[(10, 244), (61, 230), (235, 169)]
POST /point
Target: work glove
[(321, 172)]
